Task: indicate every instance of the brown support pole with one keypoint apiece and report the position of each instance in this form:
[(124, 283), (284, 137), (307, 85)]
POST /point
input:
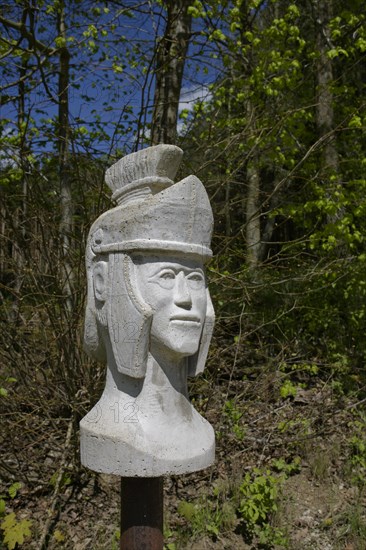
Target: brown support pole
[(142, 513)]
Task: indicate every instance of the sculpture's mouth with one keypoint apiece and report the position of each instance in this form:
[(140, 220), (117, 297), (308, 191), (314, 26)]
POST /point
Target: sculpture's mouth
[(186, 319)]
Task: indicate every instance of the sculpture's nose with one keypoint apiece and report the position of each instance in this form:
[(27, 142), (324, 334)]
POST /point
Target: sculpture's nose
[(182, 294)]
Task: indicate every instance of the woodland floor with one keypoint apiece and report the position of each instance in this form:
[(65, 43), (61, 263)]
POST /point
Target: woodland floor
[(320, 504)]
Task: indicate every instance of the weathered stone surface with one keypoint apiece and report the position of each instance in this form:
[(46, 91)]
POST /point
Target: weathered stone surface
[(149, 316)]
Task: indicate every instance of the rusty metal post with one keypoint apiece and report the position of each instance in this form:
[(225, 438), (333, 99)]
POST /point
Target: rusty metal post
[(142, 513)]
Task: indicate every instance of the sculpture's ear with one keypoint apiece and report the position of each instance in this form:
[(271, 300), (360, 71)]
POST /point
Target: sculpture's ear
[(97, 293), (100, 281)]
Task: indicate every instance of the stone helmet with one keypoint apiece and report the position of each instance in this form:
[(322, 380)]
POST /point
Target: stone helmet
[(152, 215)]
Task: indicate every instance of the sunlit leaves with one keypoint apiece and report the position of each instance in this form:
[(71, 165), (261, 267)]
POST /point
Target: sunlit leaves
[(15, 531)]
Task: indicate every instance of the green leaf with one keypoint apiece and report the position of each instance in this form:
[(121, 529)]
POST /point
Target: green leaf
[(58, 536), (211, 528), (355, 122), (186, 509), (218, 35), (117, 68), (288, 389), (15, 531), (13, 489), (2, 506), (60, 42)]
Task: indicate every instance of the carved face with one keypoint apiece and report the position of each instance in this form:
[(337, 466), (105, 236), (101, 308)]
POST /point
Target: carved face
[(175, 289)]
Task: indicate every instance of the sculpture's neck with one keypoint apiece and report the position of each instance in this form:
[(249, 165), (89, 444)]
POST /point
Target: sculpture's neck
[(165, 387), (161, 395)]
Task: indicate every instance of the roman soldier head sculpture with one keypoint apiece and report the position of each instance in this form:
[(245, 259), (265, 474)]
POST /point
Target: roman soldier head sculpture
[(149, 316)]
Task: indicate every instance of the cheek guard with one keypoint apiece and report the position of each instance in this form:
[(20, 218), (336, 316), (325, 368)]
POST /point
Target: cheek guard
[(128, 318)]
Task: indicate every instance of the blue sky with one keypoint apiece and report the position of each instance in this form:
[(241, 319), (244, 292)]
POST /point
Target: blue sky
[(117, 90)]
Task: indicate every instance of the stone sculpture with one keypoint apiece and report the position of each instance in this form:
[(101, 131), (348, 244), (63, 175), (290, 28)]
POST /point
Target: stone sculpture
[(149, 316)]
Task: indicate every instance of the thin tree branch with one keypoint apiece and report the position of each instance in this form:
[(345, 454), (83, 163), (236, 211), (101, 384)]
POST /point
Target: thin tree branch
[(37, 44)]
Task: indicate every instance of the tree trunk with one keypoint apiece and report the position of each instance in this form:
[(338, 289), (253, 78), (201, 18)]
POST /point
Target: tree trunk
[(63, 151), (325, 111), (20, 217), (269, 222), (170, 59), (227, 210), (253, 230)]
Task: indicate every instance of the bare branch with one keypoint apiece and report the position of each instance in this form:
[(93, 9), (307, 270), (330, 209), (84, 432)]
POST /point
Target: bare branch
[(37, 45)]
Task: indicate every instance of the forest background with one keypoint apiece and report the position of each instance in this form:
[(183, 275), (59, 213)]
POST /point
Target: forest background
[(266, 98)]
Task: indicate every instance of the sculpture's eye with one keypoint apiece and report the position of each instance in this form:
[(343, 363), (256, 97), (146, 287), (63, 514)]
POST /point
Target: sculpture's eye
[(167, 275), (196, 280), (166, 279)]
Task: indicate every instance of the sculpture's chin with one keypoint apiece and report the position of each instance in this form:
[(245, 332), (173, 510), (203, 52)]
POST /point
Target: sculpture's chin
[(177, 342)]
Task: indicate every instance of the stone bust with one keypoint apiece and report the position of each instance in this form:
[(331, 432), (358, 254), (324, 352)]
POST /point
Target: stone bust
[(149, 316)]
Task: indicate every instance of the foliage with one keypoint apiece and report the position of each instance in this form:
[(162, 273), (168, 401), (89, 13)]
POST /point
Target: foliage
[(259, 495), (249, 506), (14, 531), (234, 415), (287, 468), (5, 380), (358, 449), (288, 389), (209, 517)]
